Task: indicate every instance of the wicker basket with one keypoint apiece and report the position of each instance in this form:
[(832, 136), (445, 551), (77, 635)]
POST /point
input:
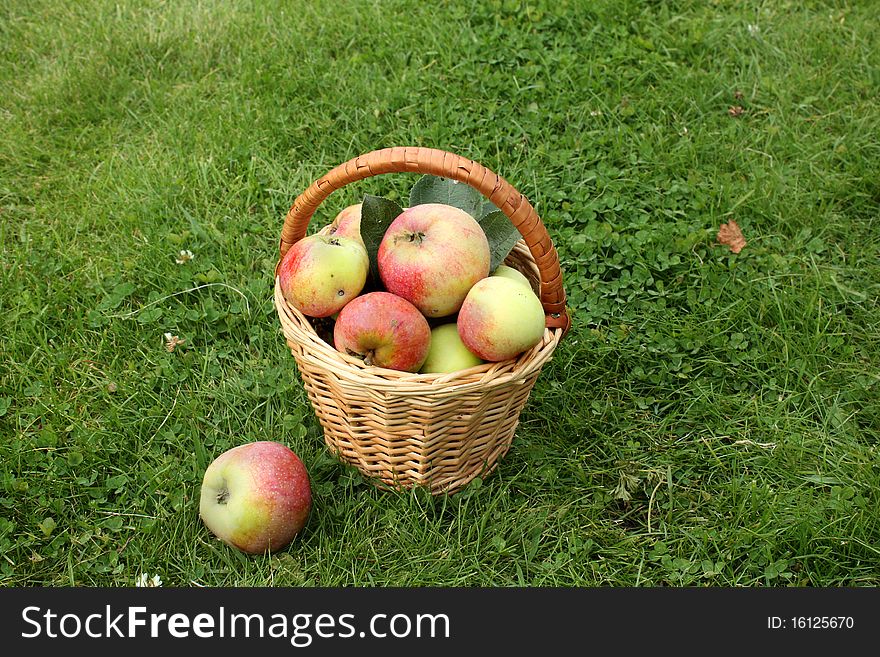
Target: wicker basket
[(439, 431)]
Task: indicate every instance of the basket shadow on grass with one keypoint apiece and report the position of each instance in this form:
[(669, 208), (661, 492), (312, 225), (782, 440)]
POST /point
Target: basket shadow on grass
[(522, 524)]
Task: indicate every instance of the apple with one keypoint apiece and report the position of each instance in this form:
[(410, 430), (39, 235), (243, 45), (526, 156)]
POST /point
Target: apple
[(256, 497), (384, 330), (447, 352), (500, 319), (431, 255), (322, 273), (512, 274), (348, 223)]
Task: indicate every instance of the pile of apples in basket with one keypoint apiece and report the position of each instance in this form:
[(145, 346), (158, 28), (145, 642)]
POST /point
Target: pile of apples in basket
[(430, 296)]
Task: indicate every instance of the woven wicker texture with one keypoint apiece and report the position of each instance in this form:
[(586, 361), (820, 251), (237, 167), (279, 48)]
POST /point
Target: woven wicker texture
[(438, 431)]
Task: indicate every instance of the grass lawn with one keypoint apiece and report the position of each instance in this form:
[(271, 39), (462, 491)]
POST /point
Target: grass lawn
[(712, 419)]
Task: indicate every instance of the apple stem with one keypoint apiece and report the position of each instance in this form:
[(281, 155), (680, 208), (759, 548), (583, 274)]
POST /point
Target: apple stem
[(416, 237), (367, 357)]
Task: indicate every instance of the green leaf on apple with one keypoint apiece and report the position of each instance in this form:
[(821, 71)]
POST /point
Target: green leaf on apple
[(434, 189), (502, 236), (377, 213)]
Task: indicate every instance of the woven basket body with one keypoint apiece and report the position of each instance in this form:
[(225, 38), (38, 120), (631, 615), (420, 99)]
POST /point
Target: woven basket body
[(438, 431)]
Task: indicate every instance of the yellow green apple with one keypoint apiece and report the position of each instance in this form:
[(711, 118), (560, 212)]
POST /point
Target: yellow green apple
[(513, 274), (500, 318), (322, 273), (447, 352)]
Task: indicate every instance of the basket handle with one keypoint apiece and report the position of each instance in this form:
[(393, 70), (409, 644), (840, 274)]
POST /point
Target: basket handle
[(414, 159)]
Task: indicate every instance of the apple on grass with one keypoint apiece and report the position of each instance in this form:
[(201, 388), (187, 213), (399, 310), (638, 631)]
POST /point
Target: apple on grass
[(322, 273), (431, 255), (447, 352), (500, 319), (383, 330), (256, 497)]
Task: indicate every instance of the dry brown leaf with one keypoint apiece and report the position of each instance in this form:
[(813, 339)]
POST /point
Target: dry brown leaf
[(735, 111), (730, 235), (171, 341)]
